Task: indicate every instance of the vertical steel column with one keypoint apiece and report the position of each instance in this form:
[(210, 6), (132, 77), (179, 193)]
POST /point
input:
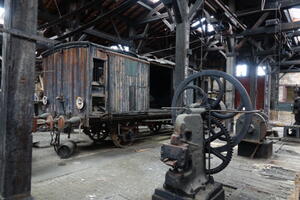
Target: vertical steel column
[(16, 109)]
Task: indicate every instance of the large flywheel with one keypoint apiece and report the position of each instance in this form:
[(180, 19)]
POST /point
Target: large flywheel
[(211, 106)]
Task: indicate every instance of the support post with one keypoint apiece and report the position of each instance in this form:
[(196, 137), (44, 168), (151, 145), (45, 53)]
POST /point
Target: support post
[(274, 92), (230, 92), (253, 82), (182, 43), (268, 86), (16, 105), (230, 69)]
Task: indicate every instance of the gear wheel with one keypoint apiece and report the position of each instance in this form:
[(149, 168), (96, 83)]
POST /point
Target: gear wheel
[(214, 129)]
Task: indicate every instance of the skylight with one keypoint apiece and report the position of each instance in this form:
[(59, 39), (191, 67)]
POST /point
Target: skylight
[(1, 15), (120, 47), (210, 28), (241, 70), (295, 14), (261, 70)]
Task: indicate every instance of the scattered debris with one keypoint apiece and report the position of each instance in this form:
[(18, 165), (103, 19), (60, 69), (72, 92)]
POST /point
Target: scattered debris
[(141, 150), (278, 173)]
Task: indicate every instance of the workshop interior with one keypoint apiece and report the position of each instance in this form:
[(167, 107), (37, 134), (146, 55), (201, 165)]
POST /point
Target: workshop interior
[(150, 100)]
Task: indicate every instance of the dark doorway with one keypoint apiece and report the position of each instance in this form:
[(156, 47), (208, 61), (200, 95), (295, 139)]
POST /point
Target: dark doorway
[(160, 86)]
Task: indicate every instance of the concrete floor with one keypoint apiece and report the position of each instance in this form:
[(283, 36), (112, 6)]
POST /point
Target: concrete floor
[(98, 171), (102, 172)]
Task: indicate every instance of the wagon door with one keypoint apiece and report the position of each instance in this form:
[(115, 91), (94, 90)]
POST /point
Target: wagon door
[(128, 85), (74, 80)]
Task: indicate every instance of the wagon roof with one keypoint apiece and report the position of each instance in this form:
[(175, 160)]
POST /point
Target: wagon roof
[(85, 44)]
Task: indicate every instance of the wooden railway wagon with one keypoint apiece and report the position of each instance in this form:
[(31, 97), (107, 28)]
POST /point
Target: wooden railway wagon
[(106, 92)]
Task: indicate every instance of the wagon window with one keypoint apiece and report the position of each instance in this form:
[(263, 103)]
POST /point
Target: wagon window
[(98, 71)]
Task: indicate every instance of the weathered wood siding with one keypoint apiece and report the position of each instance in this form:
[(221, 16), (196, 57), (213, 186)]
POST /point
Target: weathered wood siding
[(128, 84), (68, 72), (66, 75)]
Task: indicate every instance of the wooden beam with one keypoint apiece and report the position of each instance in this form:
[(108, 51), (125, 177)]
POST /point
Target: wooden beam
[(230, 15), (153, 18), (256, 25), (33, 37), (115, 28), (158, 15), (194, 8), (70, 14), (156, 9), (282, 4), (283, 27), (122, 7), (107, 36), (253, 82), (145, 5), (16, 102), (182, 44), (142, 41), (288, 62)]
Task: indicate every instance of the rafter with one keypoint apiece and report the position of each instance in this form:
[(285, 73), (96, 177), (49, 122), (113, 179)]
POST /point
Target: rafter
[(194, 8), (142, 41), (283, 27), (157, 14), (107, 36), (153, 18), (70, 14), (96, 21)]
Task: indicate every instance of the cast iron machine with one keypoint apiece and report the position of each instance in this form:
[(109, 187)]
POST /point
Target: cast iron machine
[(200, 145), (255, 143)]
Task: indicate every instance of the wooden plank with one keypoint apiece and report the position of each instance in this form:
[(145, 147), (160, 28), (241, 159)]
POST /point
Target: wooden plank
[(274, 178), (70, 14), (16, 107)]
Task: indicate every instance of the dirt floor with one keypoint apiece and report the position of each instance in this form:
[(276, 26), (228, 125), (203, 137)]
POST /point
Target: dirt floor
[(103, 172)]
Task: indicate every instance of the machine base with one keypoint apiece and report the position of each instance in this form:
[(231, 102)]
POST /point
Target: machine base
[(255, 150), (212, 192)]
